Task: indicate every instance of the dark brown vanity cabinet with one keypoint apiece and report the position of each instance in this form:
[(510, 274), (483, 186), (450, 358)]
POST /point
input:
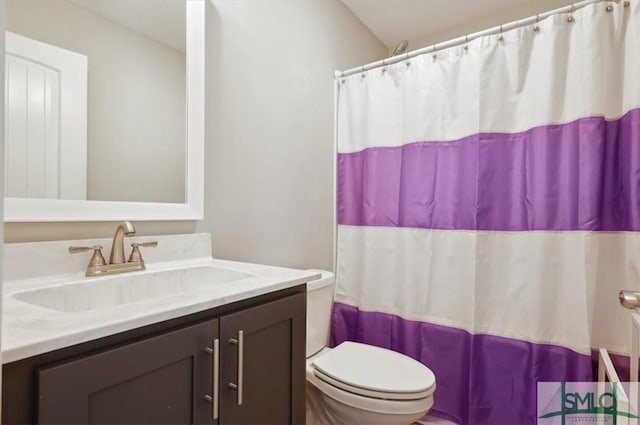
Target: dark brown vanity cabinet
[(160, 380), (269, 363), (243, 366)]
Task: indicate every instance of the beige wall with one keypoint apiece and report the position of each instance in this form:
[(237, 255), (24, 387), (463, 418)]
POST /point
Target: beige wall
[(521, 11), (34, 232), (269, 135), (269, 191), (136, 100)]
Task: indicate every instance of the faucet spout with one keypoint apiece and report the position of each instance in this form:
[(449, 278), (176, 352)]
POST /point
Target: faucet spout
[(117, 247)]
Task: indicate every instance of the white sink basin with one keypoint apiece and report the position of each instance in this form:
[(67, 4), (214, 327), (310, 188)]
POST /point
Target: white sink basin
[(111, 291)]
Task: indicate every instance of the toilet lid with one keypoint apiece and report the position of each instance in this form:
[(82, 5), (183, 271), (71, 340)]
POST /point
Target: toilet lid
[(374, 372)]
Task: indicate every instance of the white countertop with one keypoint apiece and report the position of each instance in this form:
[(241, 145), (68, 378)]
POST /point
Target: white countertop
[(28, 329)]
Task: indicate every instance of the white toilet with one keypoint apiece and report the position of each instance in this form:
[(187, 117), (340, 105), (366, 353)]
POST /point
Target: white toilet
[(357, 384)]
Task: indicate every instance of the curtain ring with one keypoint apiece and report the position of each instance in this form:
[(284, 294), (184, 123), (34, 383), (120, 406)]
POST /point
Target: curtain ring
[(536, 27), (434, 49), (501, 38), (609, 8), (570, 18), (466, 40)]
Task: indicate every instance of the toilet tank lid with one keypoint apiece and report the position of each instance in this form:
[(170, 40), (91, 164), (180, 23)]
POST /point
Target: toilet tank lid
[(327, 278)]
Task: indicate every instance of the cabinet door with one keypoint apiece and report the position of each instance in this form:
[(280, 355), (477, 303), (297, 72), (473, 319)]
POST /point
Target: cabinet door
[(158, 380), (263, 373)]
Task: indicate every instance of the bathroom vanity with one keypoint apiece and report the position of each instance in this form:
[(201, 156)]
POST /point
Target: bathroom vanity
[(226, 347)]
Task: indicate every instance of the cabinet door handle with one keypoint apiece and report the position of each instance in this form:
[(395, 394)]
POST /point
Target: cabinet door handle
[(215, 371), (240, 343)]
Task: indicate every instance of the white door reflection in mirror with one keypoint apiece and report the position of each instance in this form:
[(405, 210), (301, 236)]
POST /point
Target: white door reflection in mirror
[(46, 120)]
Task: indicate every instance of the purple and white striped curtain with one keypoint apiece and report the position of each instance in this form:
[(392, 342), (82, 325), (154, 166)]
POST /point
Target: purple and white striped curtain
[(489, 208)]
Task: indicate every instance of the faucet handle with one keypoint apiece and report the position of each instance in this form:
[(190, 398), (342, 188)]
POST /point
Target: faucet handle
[(96, 259), (135, 250)]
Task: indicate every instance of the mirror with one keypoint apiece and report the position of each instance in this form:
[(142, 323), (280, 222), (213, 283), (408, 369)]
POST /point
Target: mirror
[(104, 110)]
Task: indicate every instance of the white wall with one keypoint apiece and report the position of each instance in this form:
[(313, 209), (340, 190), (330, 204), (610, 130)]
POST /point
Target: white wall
[(269, 181), (136, 100)]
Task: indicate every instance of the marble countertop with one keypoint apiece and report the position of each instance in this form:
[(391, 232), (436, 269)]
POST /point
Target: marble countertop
[(29, 329)]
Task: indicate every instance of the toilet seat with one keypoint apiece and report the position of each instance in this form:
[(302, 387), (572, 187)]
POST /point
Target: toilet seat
[(375, 405), (374, 372), (373, 394)]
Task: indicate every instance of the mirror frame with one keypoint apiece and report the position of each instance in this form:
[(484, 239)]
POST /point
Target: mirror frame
[(58, 210)]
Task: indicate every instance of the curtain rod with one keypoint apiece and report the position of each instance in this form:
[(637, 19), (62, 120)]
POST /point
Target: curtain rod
[(469, 37)]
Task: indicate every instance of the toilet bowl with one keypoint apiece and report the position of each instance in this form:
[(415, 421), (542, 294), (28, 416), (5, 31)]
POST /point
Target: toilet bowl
[(356, 383)]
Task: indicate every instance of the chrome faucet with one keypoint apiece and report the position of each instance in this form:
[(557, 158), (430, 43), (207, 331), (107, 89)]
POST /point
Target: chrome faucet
[(117, 247), (117, 263)]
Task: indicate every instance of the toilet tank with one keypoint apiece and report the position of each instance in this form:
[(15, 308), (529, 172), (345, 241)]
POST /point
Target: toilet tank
[(319, 304)]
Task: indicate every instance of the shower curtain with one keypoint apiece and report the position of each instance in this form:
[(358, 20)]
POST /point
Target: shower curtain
[(489, 208)]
